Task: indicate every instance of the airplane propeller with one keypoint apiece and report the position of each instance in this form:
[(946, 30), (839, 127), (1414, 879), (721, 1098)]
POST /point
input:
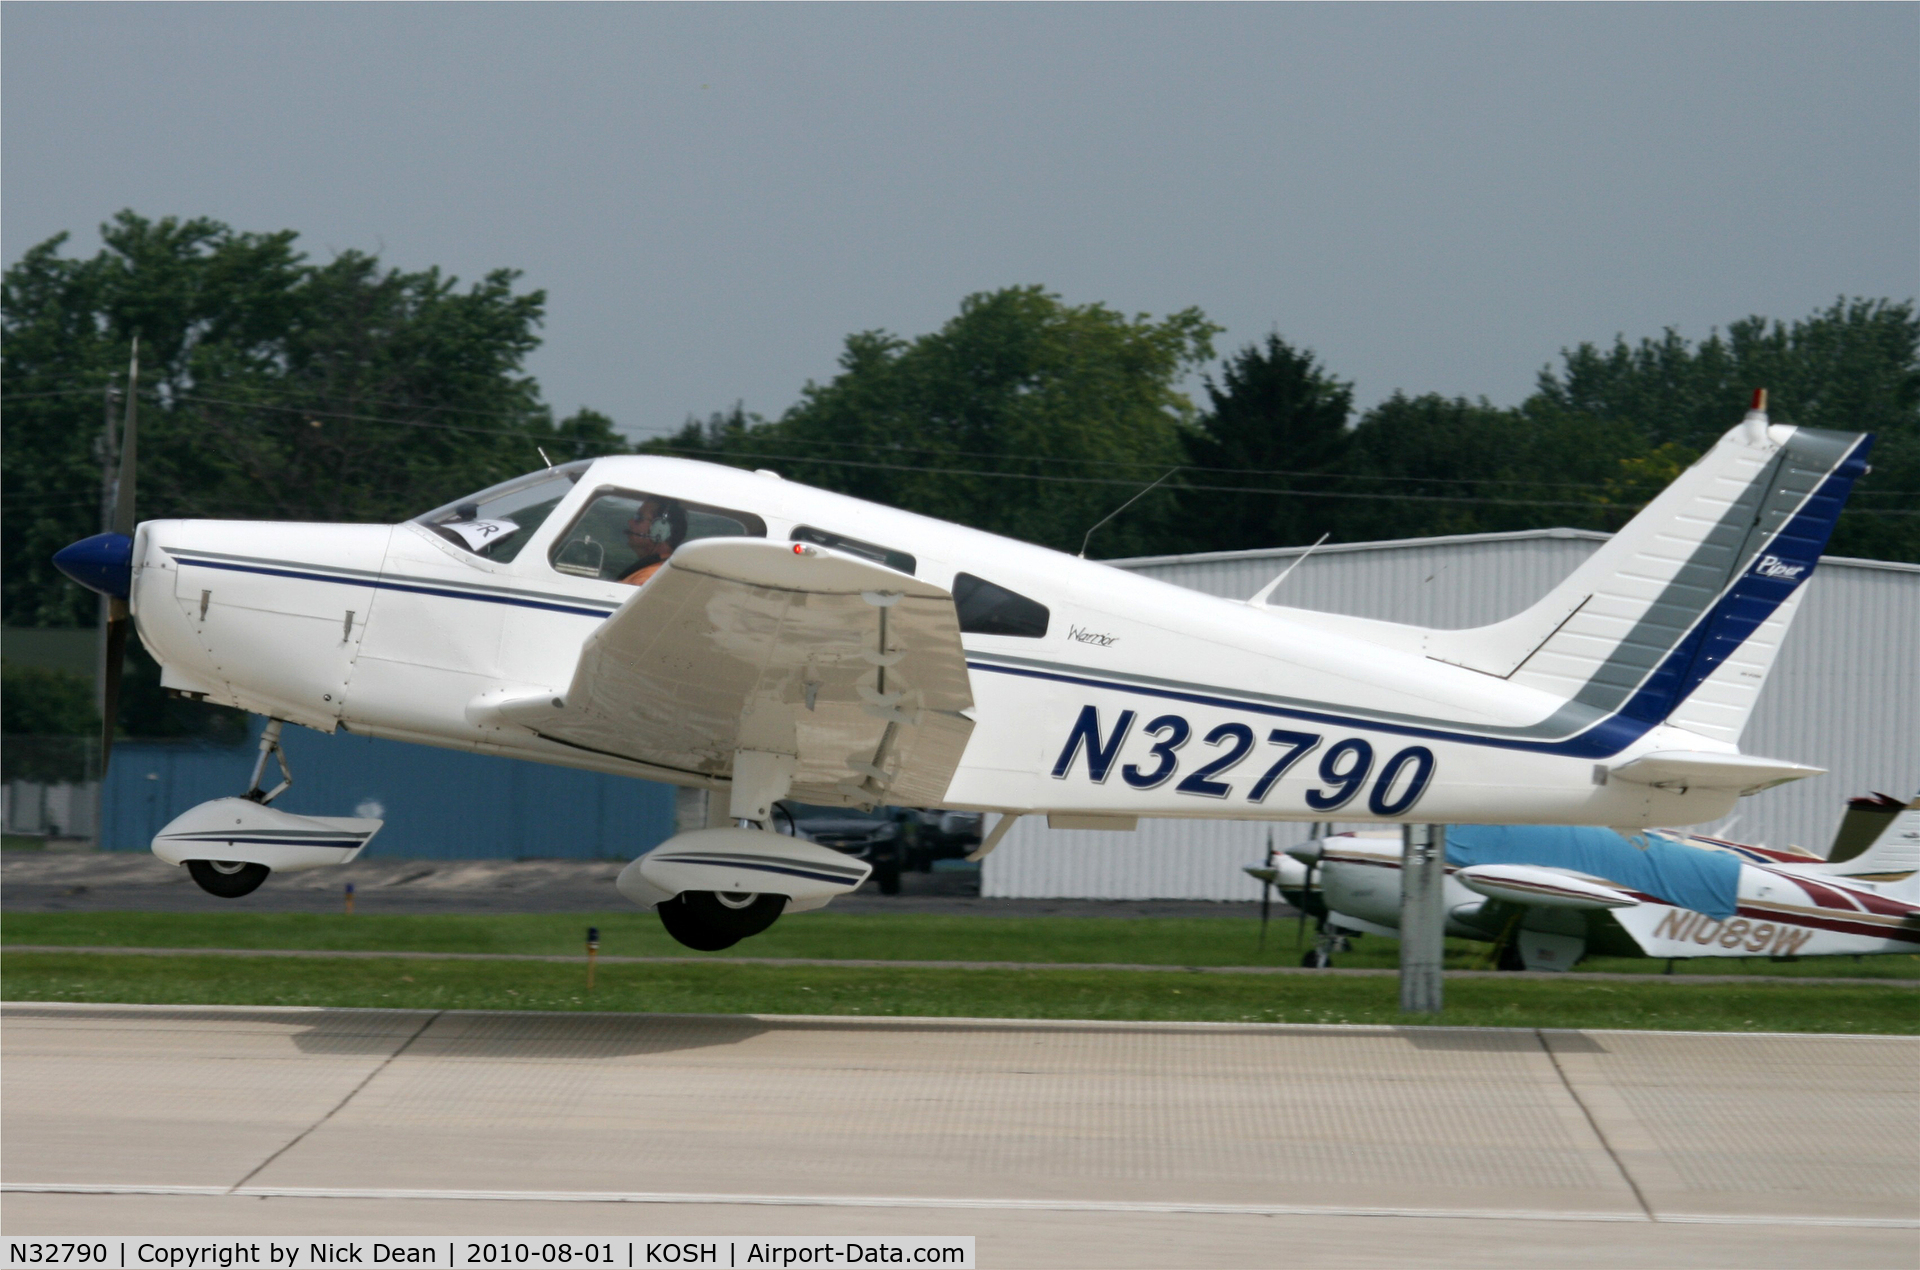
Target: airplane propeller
[(1266, 892), (104, 563), (1306, 896), (124, 523)]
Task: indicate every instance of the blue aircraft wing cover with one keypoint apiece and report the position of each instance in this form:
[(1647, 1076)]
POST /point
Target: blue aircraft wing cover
[(1688, 877)]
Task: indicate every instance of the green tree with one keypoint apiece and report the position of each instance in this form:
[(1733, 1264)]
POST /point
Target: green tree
[(1278, 419), (271, 387), (1421, 466), (955, 423), (1854, 366)]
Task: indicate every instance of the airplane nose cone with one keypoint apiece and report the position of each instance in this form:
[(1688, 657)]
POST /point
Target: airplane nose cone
[(102, 563)]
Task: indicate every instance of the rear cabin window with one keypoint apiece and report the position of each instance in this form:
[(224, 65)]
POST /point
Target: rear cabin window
[(887, 556), (626, 535), (986, 609)]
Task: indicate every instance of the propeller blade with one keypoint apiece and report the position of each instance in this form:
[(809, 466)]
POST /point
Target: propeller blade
[(113, 657), (123, 511), (113, 652), (1306, 897), (1266, 894)]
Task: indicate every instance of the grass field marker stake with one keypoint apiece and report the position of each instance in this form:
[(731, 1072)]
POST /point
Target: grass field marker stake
[(349, 899), (593, 952)]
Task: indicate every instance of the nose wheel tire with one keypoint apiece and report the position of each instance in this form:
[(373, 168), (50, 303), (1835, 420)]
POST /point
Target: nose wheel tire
[(707, 921), (229, 879)]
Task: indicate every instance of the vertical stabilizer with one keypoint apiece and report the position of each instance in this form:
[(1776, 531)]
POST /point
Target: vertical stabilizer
[(1894, 853), (1679, 616)]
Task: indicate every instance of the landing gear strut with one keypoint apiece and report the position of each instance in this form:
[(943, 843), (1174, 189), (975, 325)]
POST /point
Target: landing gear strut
[(1329, 940), (230, 879)]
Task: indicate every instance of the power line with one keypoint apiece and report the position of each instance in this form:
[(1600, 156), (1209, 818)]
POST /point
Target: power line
[(1151, 464), (724, 456), (1220, 489)]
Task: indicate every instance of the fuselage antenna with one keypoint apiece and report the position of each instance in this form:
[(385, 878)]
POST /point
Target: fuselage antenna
[(1122, 507), (541, 451), (1266, 592)]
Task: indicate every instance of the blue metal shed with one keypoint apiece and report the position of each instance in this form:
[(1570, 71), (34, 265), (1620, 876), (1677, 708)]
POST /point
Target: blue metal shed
[(438, 804)]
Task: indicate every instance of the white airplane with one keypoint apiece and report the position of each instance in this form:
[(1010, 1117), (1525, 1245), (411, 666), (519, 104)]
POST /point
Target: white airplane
[(733, 631), (1548, 895)]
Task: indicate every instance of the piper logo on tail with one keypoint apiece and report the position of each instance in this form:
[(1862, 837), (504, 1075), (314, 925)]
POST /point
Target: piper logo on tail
[(1775, 567)]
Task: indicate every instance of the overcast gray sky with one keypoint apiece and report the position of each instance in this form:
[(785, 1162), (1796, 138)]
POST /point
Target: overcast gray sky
[(1435, 197)]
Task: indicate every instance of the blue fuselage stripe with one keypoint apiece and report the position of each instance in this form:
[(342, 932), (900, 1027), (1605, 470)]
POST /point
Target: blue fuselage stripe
[(382, 584), (1312, 716)]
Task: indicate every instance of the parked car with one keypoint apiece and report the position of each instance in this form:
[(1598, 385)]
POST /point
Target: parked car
[(941, 835), (891, 839)]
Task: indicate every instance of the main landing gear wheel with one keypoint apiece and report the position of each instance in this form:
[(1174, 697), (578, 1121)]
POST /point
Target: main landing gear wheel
[(229, 879), (707, 921)]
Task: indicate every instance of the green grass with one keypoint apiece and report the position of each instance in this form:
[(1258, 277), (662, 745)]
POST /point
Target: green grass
[(717, 987), (1198, 941)]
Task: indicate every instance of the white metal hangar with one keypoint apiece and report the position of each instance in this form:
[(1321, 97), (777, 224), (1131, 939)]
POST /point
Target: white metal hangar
[(1844, 695)]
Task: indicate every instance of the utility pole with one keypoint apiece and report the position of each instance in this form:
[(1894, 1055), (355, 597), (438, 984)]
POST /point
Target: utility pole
[(109, 464), (1423, 917)]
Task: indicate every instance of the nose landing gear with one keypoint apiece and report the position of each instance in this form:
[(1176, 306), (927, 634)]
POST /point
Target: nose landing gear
[(228, 879), (231, 845)]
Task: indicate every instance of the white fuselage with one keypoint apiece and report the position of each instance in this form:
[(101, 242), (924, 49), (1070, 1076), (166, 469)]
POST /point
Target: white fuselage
[(1141, 699)]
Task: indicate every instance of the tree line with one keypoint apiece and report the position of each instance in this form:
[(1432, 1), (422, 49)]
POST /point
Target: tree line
[(1034, 418), (276, 386)]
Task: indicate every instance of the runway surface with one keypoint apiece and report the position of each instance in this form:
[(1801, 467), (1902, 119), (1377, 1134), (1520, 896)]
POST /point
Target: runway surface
[(1055, 1144)]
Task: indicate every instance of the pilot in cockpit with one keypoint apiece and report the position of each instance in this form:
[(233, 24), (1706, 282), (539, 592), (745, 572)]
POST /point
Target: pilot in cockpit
[(658, 526)]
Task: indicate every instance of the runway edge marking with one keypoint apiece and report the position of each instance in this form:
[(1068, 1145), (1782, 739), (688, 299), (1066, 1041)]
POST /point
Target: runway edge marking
[(947, 1202), (890, 1020)]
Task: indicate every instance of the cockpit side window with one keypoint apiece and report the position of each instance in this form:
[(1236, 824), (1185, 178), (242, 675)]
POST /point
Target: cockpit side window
[(625, 535), (986, 609), (498, 521), (898, 560)]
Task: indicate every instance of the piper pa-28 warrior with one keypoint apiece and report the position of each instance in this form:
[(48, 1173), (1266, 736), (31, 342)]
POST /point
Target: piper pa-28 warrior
[(712, 627), (1546, 896)]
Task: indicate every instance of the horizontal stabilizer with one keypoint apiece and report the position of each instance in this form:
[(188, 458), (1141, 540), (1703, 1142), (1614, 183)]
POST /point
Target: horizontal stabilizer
[(1681, 769), (1537, 887)]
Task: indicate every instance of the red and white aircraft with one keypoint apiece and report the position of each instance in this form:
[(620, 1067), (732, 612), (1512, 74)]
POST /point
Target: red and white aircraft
[(1549, 895)]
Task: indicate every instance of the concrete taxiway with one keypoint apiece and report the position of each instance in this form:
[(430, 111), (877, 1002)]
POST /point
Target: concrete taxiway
[(1052, 1143)]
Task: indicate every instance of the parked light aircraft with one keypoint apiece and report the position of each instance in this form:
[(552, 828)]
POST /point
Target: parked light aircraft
[(786, 641), (1548, 895)]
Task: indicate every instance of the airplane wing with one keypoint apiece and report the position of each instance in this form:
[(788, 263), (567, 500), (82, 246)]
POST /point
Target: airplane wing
[(853, 668), (1535, 886)]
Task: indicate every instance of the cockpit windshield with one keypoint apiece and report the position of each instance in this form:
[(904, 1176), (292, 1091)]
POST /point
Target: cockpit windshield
[(500, 520)]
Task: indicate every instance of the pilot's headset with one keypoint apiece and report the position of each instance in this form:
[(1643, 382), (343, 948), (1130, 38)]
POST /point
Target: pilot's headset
[(670, 526)]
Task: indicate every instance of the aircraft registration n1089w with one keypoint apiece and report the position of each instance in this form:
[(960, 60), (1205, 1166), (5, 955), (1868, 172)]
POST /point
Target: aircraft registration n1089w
[(712, 627)]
